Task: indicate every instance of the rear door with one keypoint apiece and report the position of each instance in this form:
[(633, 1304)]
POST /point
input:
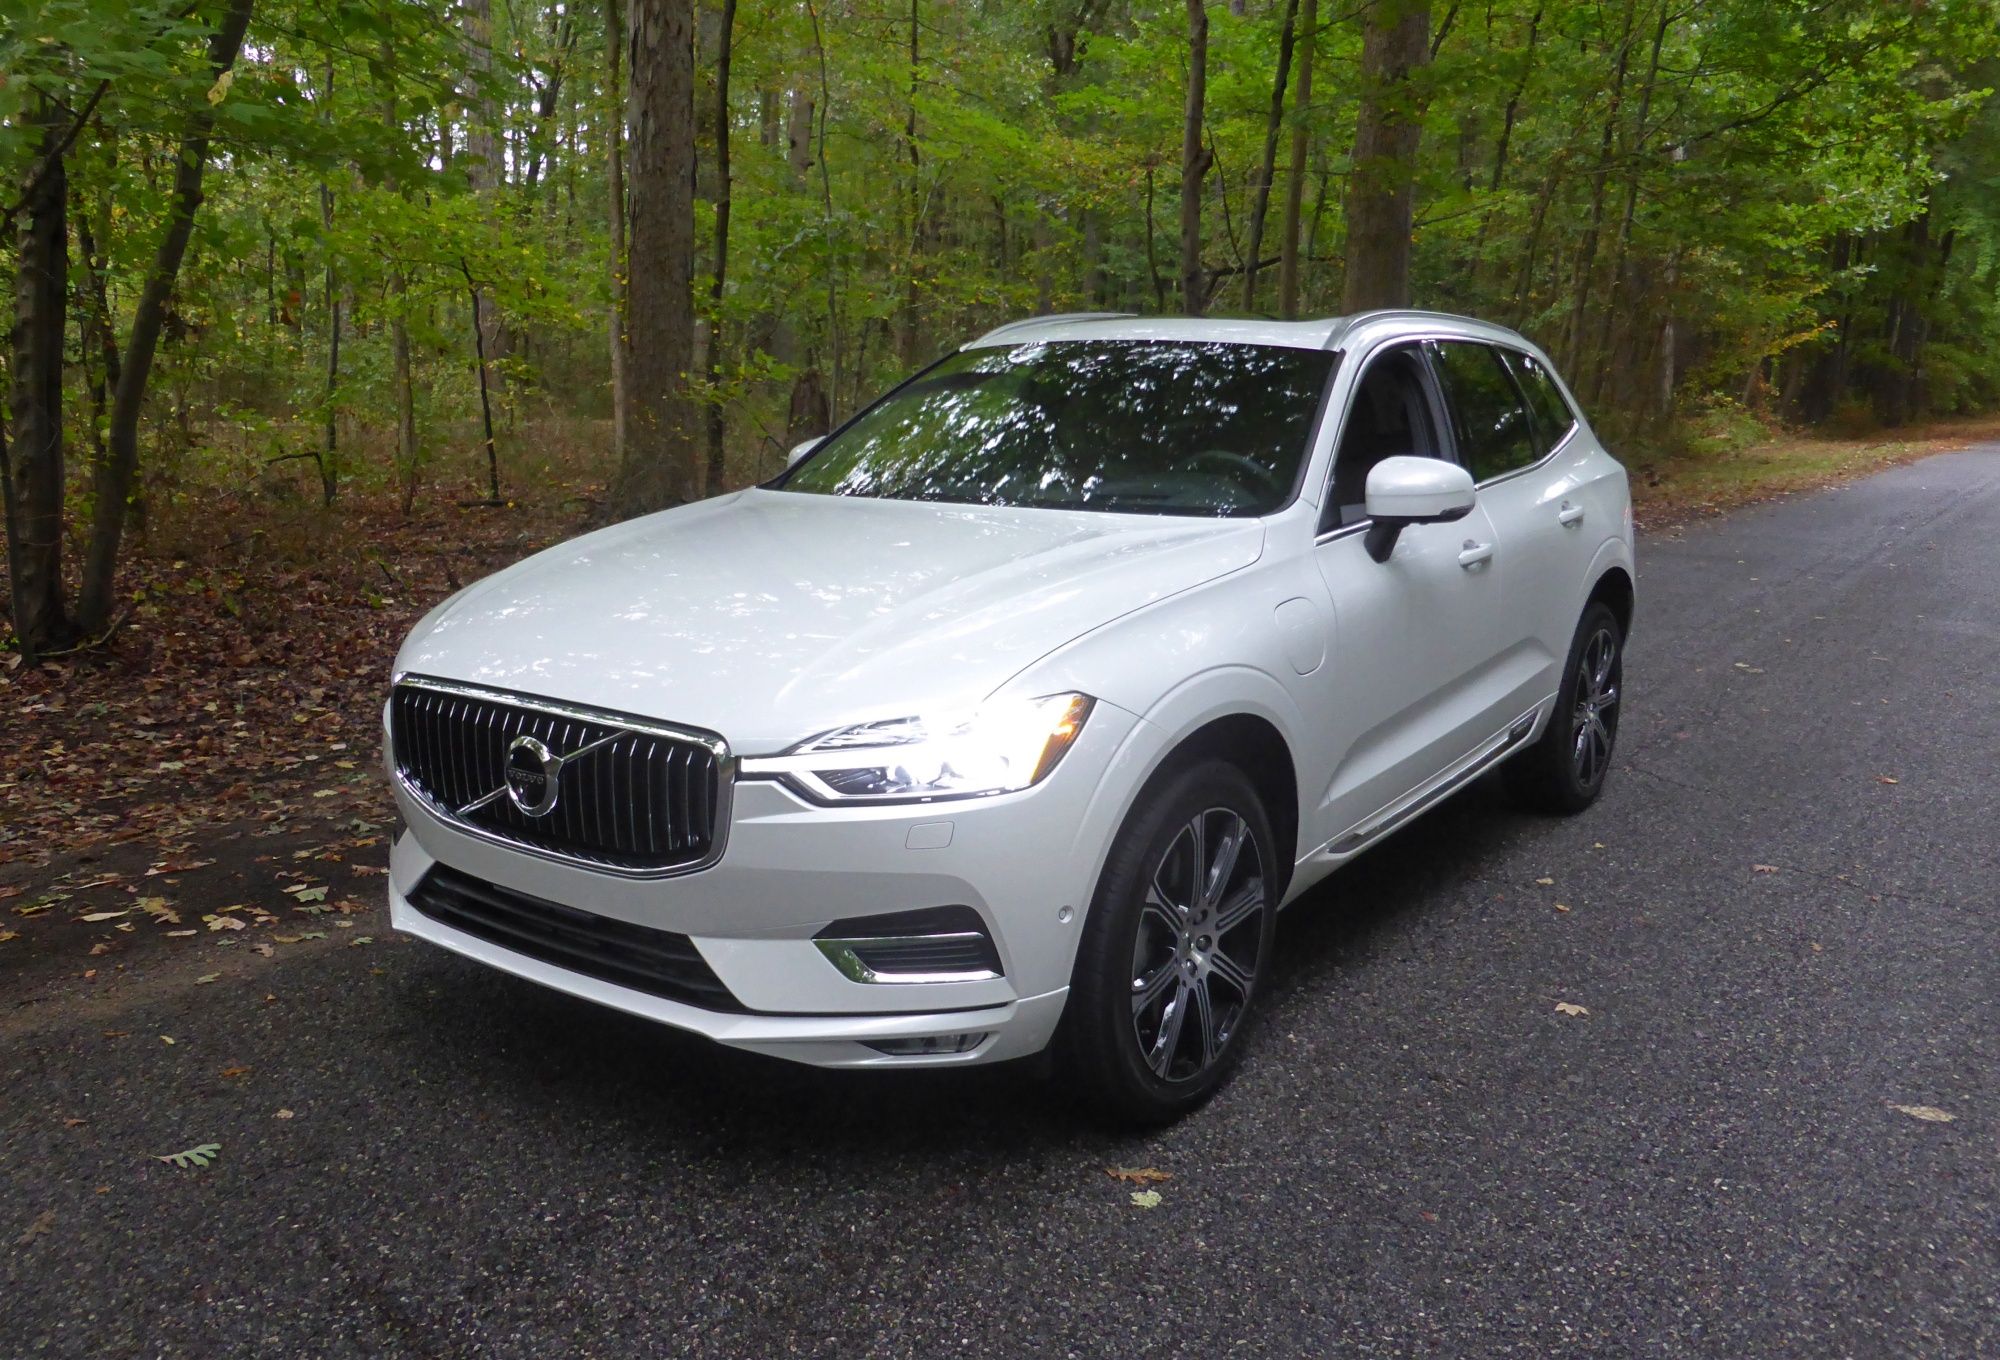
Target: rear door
[(1515, 447)]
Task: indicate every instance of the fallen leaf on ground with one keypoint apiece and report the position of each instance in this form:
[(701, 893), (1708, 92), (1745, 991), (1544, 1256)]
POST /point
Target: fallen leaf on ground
[(166, 1038), (1763, 868), (33, 909), (223, 922), (283, 1114), (157, 908), (201, 1154), (183, 932), (99, 949), (207, 977), (169, 867), (1546, 882), (12, 890), (235, 1071), (359, 939), (1887, 779), (1569, 1008), (9, 935), (1138, 1175), (304, 894), (1146, 1199), (1561, 906), (1930, 1114), (74, 1122), (44, 1222)]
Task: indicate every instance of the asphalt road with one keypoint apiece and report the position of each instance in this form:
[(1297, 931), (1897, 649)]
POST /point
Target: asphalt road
[(1421, 1157)]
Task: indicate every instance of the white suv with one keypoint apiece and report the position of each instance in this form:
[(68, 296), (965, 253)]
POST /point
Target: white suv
[(1012, 713)]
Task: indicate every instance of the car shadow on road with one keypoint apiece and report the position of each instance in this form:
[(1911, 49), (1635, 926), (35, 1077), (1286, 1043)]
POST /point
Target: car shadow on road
[(547, 1050)]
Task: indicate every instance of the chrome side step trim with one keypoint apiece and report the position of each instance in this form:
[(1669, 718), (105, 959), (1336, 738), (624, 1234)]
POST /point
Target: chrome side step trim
[(1394, 814)]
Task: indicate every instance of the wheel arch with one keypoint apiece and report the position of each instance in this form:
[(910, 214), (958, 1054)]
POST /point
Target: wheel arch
[(1253, 744), (1613, 588)]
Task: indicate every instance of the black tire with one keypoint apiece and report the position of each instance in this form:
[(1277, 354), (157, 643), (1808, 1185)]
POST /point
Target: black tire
[(1564, 771), (1124, 1048)]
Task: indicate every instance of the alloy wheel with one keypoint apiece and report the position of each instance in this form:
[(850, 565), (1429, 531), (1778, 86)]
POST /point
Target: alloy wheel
[(1199, 944), (1594, 724)]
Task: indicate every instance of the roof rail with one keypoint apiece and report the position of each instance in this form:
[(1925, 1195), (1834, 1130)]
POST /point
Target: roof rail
[(1027, 321)]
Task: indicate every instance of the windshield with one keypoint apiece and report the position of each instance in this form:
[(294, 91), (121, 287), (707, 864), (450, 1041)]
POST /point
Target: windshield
[(1138, 426)]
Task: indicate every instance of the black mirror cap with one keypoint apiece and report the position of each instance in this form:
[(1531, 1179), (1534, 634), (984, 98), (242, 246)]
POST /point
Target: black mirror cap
[(1383, 533)]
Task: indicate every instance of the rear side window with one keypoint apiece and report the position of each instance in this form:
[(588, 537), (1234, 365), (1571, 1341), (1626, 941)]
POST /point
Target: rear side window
[(1553, 418), (1495, 435)]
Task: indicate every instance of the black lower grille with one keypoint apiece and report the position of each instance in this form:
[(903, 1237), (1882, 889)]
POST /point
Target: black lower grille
[(656, 962), (629, 795)]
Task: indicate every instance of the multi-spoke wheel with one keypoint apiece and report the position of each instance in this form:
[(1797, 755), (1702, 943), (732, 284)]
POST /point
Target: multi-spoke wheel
[(1199, 943), (1564, 771), (1594, 719), (1178, 937)]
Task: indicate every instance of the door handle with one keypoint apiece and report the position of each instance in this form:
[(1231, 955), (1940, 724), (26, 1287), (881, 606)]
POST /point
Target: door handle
[(1474, 553), (1570, 515)]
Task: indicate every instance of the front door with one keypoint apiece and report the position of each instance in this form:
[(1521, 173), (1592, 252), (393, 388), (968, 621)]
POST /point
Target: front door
[(1409, 690)]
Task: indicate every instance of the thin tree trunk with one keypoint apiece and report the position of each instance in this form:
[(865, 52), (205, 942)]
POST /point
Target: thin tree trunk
[(1586, 262), (1295, 183), (1195, 159), (1388, 126), (35, 473), (116, 473), (329, 468), (660, 468), (485, 395), (614, 41), (906, 320), (1597, 373), (1260, 201), (717, 425)]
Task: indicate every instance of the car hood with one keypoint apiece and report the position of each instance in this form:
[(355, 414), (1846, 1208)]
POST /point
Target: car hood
[(773, 616)]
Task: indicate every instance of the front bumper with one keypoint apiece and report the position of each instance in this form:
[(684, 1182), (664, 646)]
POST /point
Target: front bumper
[(1025, 862)]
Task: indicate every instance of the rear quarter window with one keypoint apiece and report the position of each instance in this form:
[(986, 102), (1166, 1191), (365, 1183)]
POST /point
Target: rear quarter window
[(1553, 417)]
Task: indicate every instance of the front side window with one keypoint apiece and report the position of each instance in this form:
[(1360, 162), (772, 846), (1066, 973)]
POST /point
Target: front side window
[(1553, 418), (1495, 435), (1133, 426), (1390, 416)]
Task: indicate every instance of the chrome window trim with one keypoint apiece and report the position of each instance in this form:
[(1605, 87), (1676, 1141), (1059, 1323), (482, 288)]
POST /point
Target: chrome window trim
[(716, 745), (1575, 422)]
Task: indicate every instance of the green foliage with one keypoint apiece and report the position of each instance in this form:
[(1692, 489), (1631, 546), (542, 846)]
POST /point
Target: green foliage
[(1702, 199)]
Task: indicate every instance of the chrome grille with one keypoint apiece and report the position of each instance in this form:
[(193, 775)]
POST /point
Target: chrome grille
[(648, 799)]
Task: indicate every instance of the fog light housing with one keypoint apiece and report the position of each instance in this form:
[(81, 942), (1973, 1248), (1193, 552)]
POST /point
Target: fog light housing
[(928, 1046), (935, 944)]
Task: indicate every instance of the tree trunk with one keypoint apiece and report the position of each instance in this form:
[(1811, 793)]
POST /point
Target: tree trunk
[(913, 216), (1394, 48), (614, 42), (35, 472), (660, 468), (486, 169), (116, 473), (1195, 159), (1261, 195), (717, 425), (1295, 184), (329, 465), (1586, 262)]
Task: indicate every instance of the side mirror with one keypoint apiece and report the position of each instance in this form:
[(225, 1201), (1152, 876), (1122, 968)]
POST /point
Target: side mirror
[(799, 451), (1405, 490)]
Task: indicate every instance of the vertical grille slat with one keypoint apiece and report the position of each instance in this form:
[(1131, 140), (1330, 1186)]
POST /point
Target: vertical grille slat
[(643, 801)]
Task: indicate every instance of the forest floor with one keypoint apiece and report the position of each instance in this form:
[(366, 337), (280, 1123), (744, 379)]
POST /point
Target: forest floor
[(223, 747)]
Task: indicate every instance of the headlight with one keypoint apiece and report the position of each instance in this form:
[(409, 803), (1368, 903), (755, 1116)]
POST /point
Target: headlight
[(1000, 748)]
